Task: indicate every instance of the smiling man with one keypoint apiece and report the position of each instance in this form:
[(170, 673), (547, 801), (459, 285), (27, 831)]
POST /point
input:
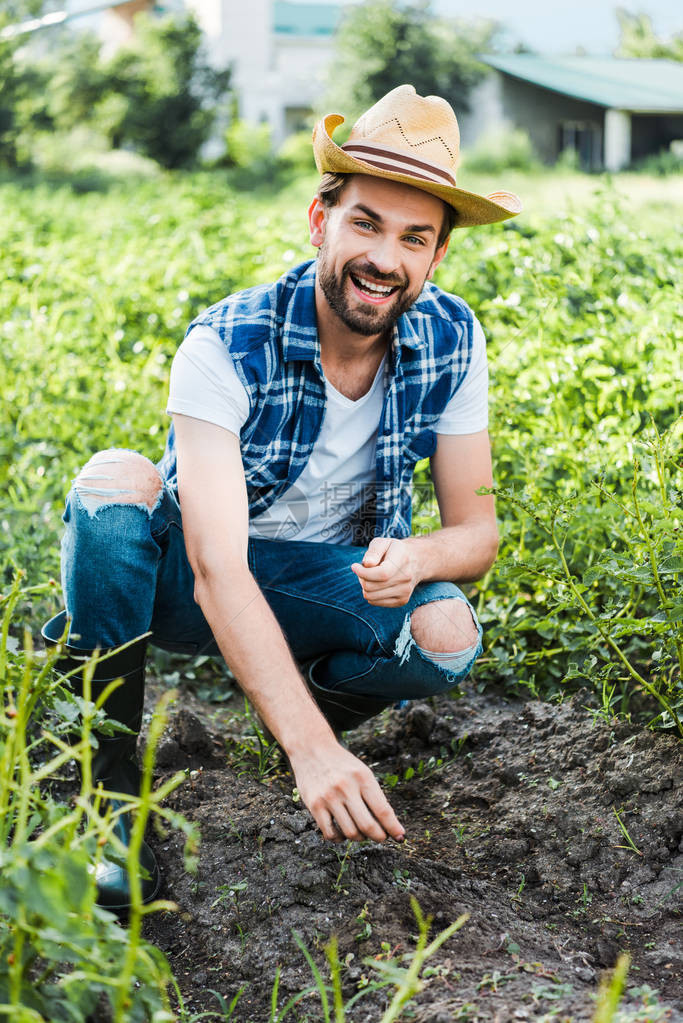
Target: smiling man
[(276, 529)]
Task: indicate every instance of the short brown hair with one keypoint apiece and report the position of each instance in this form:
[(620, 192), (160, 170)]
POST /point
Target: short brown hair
[(332, 185)]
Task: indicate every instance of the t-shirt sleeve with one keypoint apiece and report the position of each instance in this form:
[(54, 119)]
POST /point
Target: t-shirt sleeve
[(204, 383), (467, 411)]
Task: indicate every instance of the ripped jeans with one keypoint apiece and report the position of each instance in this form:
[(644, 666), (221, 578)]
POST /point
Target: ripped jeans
[(125, 572)]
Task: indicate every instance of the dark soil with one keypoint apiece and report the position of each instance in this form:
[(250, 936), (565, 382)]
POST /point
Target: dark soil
[(510, 817)]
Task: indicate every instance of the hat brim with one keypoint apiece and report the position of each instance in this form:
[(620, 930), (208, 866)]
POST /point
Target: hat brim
[(471, 209)]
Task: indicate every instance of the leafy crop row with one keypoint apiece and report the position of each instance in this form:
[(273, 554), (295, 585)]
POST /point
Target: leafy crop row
[(95, 292), (584, 349)]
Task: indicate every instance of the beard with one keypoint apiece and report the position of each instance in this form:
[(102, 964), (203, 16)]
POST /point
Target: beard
[(363, 318)]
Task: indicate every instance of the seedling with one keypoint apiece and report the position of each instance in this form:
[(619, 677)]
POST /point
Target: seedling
[(343, 860), (631, 844), (365, 926)]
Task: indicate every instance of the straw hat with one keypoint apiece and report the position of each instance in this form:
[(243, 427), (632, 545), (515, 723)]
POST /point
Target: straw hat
[(413, 139)]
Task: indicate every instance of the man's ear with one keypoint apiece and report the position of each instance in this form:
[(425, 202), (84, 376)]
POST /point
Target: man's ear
[(438, 256), (316, 222)]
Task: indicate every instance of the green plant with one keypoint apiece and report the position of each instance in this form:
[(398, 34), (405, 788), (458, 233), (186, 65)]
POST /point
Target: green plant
[(405, 979), (633, 549), (343, 860), (622, 827), (501, 150), (610, 991), (59, 951), (257, 753)]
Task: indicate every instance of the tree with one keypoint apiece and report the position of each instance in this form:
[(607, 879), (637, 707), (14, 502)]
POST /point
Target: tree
[(385, 43), (162, 91), (18, 83), (638, 39)]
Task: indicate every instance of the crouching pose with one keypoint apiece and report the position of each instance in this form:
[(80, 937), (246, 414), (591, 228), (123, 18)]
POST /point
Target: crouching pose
[(276, 529)]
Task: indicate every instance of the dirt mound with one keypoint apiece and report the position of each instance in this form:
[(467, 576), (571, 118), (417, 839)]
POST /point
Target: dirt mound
[(560, 834)]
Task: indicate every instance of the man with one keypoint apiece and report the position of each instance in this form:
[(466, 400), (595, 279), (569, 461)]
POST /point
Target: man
[(303, 406)]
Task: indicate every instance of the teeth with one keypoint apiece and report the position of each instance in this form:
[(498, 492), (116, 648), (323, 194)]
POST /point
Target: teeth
[(380, 289)]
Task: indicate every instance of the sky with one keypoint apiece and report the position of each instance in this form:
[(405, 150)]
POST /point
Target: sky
[(558, 26), (548, 26)]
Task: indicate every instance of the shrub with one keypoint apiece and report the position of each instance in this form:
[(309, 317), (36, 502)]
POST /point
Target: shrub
[(667, 161), (500, 150)]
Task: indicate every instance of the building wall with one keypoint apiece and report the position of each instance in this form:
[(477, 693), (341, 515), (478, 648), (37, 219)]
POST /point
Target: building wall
[(486, 110), (301, 66), (500, 102), (117, 25), (542, 113), (278, 77)]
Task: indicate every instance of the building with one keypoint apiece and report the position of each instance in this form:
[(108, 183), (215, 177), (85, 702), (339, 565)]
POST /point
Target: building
[(609, 111), (280, 53)]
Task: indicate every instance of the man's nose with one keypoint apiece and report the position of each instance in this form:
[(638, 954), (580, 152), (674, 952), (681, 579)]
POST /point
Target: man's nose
[(384, 254)]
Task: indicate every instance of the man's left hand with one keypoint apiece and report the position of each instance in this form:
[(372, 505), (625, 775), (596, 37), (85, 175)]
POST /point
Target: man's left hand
[(388, 572)]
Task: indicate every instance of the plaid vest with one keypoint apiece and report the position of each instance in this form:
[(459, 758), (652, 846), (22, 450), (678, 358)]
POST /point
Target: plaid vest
[(271, 334)]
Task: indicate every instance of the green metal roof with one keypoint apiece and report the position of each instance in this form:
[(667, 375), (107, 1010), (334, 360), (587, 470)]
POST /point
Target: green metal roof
[(305, 19), (634, 84)]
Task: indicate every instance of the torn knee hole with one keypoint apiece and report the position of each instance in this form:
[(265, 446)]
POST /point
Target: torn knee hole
[(118, 477), (444, 626)]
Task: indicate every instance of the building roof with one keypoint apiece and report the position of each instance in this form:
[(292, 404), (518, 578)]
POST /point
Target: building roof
[(633, 84), (305, 19)]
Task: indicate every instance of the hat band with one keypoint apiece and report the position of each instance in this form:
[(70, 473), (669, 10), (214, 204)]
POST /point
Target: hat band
[(398, 163)]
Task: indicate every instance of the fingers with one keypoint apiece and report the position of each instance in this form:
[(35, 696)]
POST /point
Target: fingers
[(351, 828), (382, 812), (363, 814), (391, 599), (325, 821), (344, 797), (381, 574), (393, 564), (393, 595), (376, 550)]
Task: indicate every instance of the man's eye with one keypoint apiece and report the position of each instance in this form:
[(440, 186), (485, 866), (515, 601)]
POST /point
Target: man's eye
[(414, 239), (365, 224)]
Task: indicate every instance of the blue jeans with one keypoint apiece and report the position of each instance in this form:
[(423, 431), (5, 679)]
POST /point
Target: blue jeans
[(125, 572)]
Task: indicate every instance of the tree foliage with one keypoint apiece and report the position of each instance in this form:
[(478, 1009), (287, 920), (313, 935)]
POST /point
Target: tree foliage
[(638, 38), (164, 93), (157, 94), (18, 83), (385, 43)]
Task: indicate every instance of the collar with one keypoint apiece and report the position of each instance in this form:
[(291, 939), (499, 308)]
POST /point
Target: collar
[(300, 328)]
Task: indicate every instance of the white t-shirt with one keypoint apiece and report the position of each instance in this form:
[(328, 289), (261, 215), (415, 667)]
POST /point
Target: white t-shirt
[(340, 472)]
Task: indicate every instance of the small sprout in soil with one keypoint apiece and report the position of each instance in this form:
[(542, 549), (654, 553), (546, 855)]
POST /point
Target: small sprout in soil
[(517, 897), (365, 927), (402, 878), (630, 843), (551, 992), (494, 980), (343, 860), (458, 830)]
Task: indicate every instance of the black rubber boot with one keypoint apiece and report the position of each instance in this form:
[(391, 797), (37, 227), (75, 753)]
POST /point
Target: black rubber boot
[(344, 711), (113, 762)]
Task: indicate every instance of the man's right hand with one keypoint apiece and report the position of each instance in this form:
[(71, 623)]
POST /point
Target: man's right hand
[(343, 795)]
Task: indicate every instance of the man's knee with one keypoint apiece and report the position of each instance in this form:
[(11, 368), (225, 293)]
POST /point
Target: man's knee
[(117, 476), (444, 626)]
